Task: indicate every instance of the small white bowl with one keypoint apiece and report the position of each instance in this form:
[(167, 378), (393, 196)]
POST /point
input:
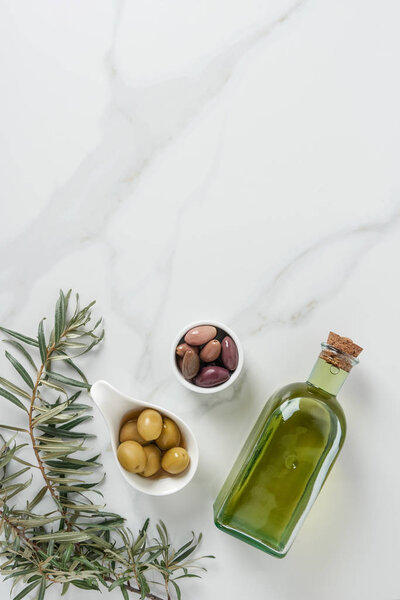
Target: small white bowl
[(114, 405), (197, 388)]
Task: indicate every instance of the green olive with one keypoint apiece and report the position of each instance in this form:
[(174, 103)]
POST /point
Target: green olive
[(131, 456), (149, 424), (170, 435), (129, 431), (153, 458), (175, 460)]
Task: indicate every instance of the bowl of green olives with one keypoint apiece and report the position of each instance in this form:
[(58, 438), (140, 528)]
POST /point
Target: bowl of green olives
[(155, 451)]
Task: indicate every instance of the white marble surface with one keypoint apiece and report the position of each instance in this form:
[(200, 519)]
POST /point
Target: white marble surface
[(236, 160)]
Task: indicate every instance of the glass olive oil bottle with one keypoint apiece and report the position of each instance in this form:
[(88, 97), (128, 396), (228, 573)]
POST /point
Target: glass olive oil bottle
[(288, 455)]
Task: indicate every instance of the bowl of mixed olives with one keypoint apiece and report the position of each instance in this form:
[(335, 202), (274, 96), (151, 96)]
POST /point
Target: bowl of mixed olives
[(156, 451), (206, 357)]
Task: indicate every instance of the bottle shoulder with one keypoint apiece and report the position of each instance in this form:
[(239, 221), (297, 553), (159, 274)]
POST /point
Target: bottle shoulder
[(305, 390)]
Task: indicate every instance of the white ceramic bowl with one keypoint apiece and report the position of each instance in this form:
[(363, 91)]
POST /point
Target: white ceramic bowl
[(196, 388), (114, 405)]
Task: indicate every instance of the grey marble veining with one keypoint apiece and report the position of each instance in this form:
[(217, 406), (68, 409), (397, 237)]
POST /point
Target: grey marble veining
[(232, 160)]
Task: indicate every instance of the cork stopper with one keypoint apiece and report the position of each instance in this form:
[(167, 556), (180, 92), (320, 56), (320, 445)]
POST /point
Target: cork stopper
[(340, 351)]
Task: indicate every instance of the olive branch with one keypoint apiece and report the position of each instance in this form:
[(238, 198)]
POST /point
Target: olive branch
[(76, 542)]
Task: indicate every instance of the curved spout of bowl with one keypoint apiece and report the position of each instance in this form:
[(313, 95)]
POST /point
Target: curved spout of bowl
[(113, 405), (100, 392)]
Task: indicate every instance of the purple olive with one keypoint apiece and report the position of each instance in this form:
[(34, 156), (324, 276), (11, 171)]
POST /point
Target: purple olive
[(211, 376), (229, 353)]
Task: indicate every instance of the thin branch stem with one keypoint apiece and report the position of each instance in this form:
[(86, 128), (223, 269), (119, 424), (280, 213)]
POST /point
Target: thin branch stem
[(41, 466), (135, 590), (166, 582), (19, 532)]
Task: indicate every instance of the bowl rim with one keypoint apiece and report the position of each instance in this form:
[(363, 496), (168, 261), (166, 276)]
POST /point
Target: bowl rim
[(195, 388)]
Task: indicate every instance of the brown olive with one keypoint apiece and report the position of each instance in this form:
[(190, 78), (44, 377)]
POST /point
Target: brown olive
[(211, 351), (149, 424), (129, 431), (170, 435), (131, 456), (190, 364), (182, 348), (175, 460), (153, 464)]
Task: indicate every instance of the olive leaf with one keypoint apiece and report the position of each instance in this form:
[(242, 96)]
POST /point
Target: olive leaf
[(23, 351), (19, 336), (12, 399), (42, 341), (20, 369), (68, 380)]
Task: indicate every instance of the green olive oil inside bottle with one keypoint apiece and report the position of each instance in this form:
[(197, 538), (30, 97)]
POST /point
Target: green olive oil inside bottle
[(287, 456)]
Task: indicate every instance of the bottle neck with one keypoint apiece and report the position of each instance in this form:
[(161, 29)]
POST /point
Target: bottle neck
[(327, 377)]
